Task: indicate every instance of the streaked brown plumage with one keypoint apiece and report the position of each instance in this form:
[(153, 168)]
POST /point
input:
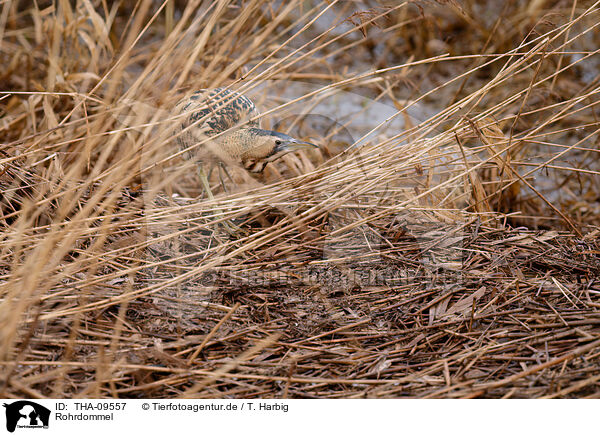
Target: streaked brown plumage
[(214, 111)]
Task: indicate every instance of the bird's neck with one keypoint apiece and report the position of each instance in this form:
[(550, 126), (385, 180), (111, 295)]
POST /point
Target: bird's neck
[(237, 142)]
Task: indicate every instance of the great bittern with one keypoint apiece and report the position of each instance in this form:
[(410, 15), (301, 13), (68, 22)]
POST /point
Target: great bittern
[(209, 112)]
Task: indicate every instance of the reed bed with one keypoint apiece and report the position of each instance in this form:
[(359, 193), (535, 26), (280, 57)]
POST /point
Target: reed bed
[(442, 242)]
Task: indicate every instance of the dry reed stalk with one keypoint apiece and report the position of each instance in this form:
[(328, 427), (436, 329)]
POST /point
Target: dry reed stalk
[(454, 257)]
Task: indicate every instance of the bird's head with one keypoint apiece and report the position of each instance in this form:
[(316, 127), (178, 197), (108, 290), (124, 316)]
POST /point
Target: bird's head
[(266, 146)]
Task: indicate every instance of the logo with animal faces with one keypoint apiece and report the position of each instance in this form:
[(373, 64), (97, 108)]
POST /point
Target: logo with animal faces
[(25, 414)]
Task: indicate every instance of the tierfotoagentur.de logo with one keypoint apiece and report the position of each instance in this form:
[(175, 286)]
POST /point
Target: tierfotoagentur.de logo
[(24, 414)]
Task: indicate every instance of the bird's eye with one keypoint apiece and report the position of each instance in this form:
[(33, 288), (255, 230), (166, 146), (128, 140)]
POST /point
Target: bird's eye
[(277, 142)]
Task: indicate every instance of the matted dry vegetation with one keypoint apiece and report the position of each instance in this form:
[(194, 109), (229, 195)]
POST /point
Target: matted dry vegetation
[(455, 256)]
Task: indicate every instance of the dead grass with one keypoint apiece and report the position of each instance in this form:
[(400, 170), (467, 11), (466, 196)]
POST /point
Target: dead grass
[(456, 256)]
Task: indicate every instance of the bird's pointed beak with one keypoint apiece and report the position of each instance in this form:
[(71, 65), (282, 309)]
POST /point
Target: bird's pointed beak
[(296, 144)]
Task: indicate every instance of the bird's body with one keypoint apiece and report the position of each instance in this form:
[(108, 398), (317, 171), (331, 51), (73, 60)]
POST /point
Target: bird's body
[(221, 124)]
